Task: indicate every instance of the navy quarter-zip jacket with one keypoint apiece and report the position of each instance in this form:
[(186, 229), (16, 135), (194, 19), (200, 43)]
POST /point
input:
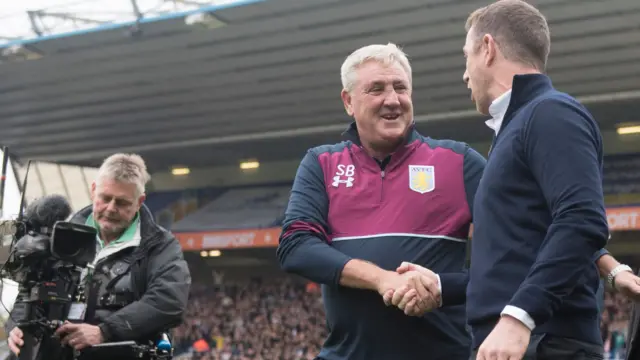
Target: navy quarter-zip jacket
[(539, 217)]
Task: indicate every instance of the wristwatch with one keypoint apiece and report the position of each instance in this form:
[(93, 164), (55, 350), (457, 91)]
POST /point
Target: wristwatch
[(611, 278)]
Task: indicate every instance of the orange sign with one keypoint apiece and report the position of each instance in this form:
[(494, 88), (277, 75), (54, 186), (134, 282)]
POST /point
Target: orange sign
[(232, 239), (624, 218)]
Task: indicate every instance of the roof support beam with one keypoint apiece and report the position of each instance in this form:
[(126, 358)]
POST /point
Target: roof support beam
[(33, 16), (39, 28)]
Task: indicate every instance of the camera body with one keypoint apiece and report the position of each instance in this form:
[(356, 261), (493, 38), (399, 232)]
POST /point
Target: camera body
[(48, 266)]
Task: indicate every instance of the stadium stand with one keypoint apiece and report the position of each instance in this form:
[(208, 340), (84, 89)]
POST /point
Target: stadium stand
[(622, 179), (172, 206), (235, 208)]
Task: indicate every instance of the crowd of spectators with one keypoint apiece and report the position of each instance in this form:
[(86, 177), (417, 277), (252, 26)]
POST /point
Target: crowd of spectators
[(278, 320), (283, 319), (614, 325)]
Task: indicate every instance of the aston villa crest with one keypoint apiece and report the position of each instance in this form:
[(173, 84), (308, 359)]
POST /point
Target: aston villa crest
[(422, 178)]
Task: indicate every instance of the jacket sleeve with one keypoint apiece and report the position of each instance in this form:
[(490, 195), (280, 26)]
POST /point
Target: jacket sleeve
[(162, 305), (454, 285), (563, 149), (17, 314), (303, 248), (600, 253)]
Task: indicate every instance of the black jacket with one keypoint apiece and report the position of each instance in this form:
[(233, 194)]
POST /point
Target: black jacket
[(160, 282)]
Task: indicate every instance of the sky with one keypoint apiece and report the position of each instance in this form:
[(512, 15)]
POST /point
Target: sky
[(14, 21), (11, 203)]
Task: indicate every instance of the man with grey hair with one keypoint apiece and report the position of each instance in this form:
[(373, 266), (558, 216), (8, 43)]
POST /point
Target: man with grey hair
[(363, 207), (140, 284)]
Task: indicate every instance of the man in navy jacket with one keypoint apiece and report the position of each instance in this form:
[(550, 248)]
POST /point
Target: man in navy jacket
[(360, 208), (539, 217), (539, 212)]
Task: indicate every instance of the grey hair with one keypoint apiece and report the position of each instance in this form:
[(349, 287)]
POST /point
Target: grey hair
[(127, 168), (386, 54)]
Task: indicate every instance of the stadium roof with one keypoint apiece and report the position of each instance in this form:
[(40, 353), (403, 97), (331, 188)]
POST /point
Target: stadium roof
[(31, 19), (194, 87)]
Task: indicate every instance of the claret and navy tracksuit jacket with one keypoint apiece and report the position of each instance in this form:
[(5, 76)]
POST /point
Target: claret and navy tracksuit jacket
[(415, 206)]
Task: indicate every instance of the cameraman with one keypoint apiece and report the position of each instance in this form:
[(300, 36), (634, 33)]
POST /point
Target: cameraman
[(141, 282)]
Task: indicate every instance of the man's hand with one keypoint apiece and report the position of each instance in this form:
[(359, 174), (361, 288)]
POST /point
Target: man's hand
[(406, 300), (508, 341), (417, 295), (15, 340), (79, 336), (628, 285)]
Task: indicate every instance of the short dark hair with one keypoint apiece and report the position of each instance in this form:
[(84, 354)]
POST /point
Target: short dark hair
[(519, 29)]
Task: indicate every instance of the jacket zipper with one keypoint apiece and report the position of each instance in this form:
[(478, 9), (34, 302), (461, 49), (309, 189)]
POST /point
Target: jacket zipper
[(382, 173)]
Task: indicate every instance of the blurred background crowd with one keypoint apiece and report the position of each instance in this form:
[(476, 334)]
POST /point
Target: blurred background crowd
[(278, 318), (282, 319), (615, 324)]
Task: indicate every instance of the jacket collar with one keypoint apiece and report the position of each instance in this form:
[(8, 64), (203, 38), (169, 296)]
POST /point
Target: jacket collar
[(393, 159), (148, 226), (351, 133), (524, 89)]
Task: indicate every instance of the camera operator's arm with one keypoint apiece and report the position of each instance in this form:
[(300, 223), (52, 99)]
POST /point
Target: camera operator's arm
[(162, 305), (14, 337), (17, 314)]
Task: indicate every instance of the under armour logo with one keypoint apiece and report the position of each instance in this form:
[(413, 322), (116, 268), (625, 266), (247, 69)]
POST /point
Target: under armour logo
[(344, 175), (337, 181)]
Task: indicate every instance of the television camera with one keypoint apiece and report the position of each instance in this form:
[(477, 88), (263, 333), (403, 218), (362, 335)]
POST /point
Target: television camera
[(47, 263), (49, 259)]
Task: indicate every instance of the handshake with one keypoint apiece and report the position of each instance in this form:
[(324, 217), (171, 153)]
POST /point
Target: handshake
[(412, 288)]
